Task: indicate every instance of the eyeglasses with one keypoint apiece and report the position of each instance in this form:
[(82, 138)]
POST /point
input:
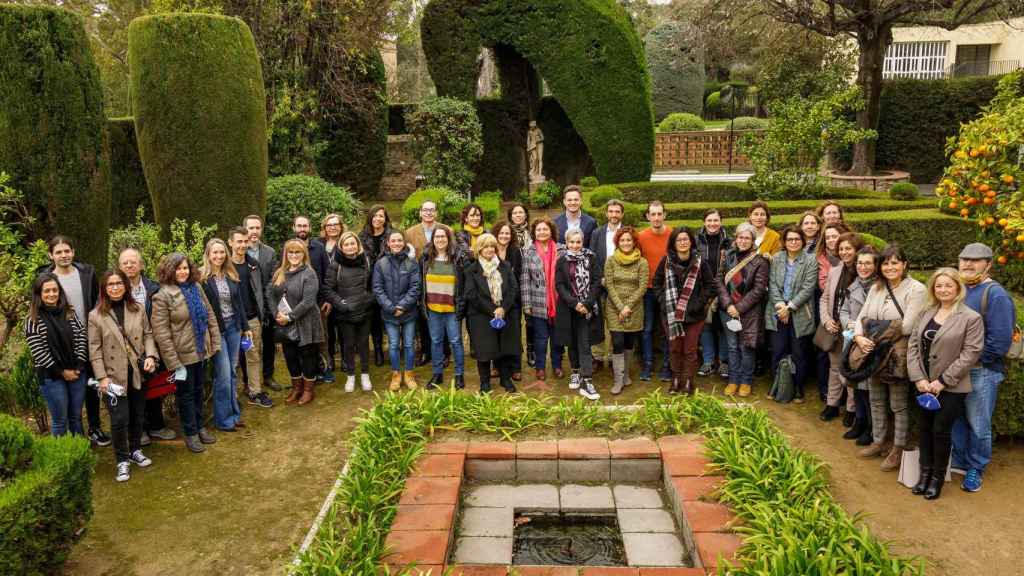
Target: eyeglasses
[(428, 210), (332, 225), (791, 239)]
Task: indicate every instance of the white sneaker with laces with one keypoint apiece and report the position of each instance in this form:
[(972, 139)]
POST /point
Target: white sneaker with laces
[(123, 472), (366, 384), (588, 391), (350, 383), (139, 459), (574, 381)]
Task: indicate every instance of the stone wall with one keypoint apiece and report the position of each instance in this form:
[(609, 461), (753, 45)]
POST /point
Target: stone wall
[(400, 171)]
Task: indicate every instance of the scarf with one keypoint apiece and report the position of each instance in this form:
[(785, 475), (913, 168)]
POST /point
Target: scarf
[(522, 232), (626, 259), (675, 315), (842, 289), (973, 280), (196, 313), (493, 276), (734, 277), (548, 263), (579, 269), (474, 233), (59, 336)]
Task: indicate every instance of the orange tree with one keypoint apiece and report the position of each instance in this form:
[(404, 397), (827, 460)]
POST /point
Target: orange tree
[(982, 181)]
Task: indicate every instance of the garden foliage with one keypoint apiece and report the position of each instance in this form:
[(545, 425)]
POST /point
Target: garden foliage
[(449, 206), (448, 140), (681, 122), (749, 123), (128, 190), (53, 136), (19, 391), (503, 129), (904, 191), (189, 238), (675, 61), (203, 144), (566, 157), (310, 196), (18, 262)]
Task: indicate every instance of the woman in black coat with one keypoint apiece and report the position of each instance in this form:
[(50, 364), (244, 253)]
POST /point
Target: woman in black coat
[(374, 237), (490, 291), (578, 322), (510, 252), (349, 290)]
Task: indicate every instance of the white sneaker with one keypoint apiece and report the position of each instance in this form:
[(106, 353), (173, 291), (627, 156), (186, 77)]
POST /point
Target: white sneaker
[(588, 391), (139, 459), (574, 381), (123, 472), (365, 382), (350, 383)]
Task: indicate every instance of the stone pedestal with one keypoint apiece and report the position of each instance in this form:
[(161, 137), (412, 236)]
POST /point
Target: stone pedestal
[(536, 181)]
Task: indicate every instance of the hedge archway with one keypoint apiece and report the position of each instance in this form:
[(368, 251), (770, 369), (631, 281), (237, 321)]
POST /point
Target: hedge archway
[(586, 50), (200, 117), (53, 133)]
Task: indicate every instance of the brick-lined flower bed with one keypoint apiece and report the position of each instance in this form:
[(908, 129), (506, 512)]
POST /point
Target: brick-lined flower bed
[(422, 532)]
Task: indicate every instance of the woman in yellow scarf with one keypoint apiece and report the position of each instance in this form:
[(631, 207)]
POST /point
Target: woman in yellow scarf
[(625, 280), (472, 227)]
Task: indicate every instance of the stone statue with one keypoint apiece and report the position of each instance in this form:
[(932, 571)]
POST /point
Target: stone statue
[(535, 152)]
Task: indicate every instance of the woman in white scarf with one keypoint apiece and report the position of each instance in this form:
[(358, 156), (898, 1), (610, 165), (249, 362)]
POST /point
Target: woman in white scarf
[(491, 295)]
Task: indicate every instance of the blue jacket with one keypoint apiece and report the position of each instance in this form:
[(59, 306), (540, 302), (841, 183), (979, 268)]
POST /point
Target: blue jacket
[(397, 284), (587, 225), (999, 316)]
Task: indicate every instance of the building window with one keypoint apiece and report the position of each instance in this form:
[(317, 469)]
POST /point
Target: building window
[(915, 60), (973, 60)]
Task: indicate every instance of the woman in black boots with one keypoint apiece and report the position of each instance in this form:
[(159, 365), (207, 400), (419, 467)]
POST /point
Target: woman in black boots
[(491, 295)]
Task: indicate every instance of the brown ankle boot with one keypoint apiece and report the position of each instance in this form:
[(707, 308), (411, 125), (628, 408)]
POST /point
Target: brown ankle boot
[(410, 380), (396, 381), (307, 394), (674, 387), (296, 392), (893, 460)]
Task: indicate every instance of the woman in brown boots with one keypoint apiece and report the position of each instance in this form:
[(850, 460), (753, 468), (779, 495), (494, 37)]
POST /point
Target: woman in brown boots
[(293, 292)]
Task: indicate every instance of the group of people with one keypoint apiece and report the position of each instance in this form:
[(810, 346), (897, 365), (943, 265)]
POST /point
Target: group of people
[(811, 300)]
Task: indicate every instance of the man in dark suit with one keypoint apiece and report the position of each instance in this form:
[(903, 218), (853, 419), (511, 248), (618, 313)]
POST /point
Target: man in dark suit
[(574, 217), (267, 259)]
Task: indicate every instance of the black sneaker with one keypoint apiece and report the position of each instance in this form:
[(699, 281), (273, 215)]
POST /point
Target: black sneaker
[(460, 381), (587, 389), (435, 381), (705, 370), (99, 437), (261, 400)]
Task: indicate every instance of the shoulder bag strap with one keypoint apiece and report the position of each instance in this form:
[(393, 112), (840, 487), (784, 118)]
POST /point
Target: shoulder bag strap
[(984, 299), (894, 300)]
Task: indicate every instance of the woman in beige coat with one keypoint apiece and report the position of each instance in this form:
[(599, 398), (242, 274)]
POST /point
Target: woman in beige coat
[(119, 338), (945, 345), (186, 332)]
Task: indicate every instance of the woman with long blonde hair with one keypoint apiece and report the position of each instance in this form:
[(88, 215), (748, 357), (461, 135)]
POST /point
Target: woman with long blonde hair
[(219, 280), (293, 292)]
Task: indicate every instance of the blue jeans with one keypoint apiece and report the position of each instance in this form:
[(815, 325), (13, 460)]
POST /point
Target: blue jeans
[(543, 338), (226, 412), (972, 433), (402, 339), (64, 400), (652, 317), (712, 347), (445, 325), (741, 358)]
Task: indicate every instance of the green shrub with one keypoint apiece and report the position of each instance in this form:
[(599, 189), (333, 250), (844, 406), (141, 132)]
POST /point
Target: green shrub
[(504, 127), (1006, 420), (128, 190), (681, 122), (589, 182), (45, 509), (449, 206), (53, 136), (749, 123), (20, 388), (545, 195), (187, 238), (695, 210), (874, 241), (904, 191), (587, 52), (713, 105), (203, 143), (15, 447), (675, 60), (448, 140), (668, 192), (298, 194)]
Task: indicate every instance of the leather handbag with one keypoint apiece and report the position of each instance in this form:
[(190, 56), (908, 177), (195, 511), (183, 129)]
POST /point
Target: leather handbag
[(825, 340), (159, 385)]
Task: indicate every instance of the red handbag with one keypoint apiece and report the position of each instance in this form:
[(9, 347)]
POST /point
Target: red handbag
[(160, 385)]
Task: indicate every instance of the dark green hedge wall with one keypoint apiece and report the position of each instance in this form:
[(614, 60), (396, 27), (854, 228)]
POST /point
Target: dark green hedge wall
[(357, 139), (128, 188), (503, 165), (675, 60), (53, 135), (451, 42), (566, 157), (200, 117)]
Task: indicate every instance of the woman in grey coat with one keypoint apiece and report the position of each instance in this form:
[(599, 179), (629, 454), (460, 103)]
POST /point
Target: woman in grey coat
[(293, 293), (867, 274), (789, 313)]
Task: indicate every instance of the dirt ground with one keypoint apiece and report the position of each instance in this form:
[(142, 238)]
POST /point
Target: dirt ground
[(245, 505)]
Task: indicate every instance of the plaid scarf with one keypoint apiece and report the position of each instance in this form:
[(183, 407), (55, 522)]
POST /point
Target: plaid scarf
[(676, 314)]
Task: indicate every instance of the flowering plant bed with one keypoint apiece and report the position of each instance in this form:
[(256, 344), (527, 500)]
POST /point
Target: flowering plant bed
[(787, 518)]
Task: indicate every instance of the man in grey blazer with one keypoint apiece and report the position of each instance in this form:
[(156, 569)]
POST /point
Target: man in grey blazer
[(267, 259)]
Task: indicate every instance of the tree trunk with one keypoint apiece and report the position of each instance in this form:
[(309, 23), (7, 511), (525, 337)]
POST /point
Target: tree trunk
[(872, 41)]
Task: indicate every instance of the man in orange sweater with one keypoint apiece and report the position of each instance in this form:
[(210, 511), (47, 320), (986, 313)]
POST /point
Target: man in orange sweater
[(653, 245)]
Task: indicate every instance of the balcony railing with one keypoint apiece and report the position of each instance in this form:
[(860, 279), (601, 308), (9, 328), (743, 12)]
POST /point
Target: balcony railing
[(982, 68)]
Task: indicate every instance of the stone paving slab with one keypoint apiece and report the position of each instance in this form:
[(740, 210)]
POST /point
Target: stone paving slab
[(635, 470), (711, 546), (491, 450), (431, 491), (492, 522), (584, 470), (645, 520), (537, 450), (575, 497), (696, 487), (439, 465), (707, 516), (685, 465), (477, 570), (534, 496), (473, 550), (653, 549), (609, 571), (537, 470), (637, 497), (583, 449), (491, 470), (683, 445), (454, 447), (545, 571)]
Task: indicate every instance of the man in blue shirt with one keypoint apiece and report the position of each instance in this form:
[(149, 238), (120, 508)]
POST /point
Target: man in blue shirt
[(574, 217), (972, 433)]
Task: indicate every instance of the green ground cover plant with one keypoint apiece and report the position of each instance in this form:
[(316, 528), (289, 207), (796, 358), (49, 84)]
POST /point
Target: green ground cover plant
[(449, 206), (791, 523)]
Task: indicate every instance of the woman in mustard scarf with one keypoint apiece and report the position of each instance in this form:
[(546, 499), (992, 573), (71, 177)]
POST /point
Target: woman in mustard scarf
[(625, 280), (472, 228)]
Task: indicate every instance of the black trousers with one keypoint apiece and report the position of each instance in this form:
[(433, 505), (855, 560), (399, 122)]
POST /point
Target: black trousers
[(154, 417), (936, 429), (377, 328), (580, 357), (356, 337), (269, 351), (335, 341), (503, 365), (126, 421), (622, 341), (303, 361)]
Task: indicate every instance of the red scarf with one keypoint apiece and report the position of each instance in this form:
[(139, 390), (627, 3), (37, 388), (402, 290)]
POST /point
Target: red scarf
[(548, 261)]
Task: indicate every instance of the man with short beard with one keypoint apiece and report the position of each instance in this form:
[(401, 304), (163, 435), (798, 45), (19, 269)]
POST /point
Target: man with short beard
[(267, 259)]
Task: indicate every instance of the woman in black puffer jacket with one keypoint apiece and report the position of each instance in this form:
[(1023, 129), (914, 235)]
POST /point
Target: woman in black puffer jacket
[(348, 289)]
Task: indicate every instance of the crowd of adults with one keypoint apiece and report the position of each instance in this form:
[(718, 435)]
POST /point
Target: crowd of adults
[(811, 301)]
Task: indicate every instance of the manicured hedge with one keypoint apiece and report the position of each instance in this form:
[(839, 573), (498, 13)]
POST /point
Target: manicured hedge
[(695, 210), (643, 192), (504, 163), (128, 190), (200, 117), (53, 134), (356, 138), (675, 60), (15, 447), (44, 509), (586, 50), (567, 159)]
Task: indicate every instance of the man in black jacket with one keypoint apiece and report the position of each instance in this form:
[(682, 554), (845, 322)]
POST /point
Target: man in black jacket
[(81, 286), (266, 257), (250, 285)]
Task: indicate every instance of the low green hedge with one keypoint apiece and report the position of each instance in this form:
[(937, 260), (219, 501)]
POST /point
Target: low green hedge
[(45, 507), (311, 196), (15, 446), (668, 192), (449, 206)]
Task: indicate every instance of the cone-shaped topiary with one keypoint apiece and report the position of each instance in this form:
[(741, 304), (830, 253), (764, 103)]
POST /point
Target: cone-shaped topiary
[(200, 117), (53, 135), (675, 60), (128, 190)]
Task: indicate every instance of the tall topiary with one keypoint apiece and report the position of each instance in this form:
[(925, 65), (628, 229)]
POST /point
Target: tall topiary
[(128, 190), (675, 60), (53, 136), (200, 117)]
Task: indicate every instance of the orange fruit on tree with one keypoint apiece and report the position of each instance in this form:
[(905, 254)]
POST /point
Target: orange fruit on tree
[(1007, 178), (985, 173), (1003, 222), (991, 193), (1001, 259), (953, 205), (990, 220), (964, 212), (989, 200), (984, 188), (952, 192), (971, 201), (1020, 238)]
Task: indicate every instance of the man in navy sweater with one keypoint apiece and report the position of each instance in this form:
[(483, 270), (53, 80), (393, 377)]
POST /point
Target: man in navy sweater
[(972, 433), (574, 217)]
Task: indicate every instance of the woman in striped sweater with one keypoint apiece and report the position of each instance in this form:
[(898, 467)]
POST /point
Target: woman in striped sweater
[(57, 342), (442, 300)]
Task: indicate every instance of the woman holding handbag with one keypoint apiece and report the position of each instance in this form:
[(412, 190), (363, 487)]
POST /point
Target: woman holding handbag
[(122, 352), (742, 286), (293, 292), (857, 293), (349, 291), (828, 337)]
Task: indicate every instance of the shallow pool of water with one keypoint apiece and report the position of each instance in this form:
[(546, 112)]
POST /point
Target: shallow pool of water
[(568, 540)]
